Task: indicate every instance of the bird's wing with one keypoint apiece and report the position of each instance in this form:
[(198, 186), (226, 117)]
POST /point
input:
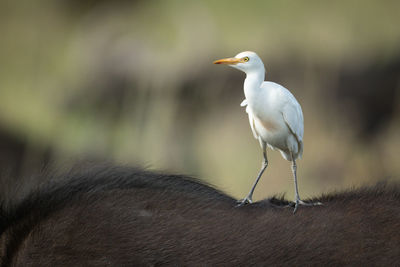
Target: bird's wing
[(252, 123), (289, 107), (293, 116), (251, 118)]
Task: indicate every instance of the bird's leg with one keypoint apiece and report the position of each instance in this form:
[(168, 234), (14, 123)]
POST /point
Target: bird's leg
[(297, 199), (249, 198), (296, 189)]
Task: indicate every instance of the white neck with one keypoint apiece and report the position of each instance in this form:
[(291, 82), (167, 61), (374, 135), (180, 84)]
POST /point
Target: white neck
[(253, 82)]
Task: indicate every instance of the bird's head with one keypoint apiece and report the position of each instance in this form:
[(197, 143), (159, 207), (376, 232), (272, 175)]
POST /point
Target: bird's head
[(245, 61)]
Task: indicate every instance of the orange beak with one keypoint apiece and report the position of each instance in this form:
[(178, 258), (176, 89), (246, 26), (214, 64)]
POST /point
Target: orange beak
[(229, 61)]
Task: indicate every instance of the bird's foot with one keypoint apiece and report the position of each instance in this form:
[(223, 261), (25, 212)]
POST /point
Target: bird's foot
[(245, 201), (301, 202)]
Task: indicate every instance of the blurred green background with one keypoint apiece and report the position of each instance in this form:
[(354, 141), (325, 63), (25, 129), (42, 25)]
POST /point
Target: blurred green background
[(133, 82)]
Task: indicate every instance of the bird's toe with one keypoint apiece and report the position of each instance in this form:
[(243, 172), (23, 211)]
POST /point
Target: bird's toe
[(243, 202), (301, 202), (310, 203)]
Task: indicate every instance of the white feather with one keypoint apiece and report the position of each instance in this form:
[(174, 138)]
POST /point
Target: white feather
[(275, 116)]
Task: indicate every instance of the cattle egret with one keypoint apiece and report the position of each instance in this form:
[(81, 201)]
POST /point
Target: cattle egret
[(275, 116)]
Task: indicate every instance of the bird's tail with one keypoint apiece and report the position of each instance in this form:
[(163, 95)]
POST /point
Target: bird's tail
[(300, 152), (296, 154)]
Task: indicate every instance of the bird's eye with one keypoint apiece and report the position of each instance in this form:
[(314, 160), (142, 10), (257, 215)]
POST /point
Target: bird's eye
[(246, 59)]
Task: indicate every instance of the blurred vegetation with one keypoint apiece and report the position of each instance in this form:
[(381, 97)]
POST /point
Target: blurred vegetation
[(133, 82)]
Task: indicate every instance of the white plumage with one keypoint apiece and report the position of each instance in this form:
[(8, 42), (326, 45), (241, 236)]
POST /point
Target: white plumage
[(284, 116), (275, 116)]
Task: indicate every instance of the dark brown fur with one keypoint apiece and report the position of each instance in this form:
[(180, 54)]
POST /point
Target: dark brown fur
[(119, 216)]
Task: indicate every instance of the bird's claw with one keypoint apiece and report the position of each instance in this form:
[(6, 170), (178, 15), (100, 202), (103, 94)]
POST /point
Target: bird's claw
[(244, 201), (301, 202)]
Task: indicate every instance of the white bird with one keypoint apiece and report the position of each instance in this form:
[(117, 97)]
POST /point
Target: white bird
[(275, 116)]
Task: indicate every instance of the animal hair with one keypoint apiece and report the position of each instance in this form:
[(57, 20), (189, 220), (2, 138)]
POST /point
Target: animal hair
[(107, 215)]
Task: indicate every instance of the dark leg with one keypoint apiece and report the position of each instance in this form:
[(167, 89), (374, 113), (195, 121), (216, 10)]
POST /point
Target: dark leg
[(296, 189), (297, 199), (249, 198)]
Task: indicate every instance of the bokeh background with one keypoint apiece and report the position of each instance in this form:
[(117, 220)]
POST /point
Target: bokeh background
[(133, 82)]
